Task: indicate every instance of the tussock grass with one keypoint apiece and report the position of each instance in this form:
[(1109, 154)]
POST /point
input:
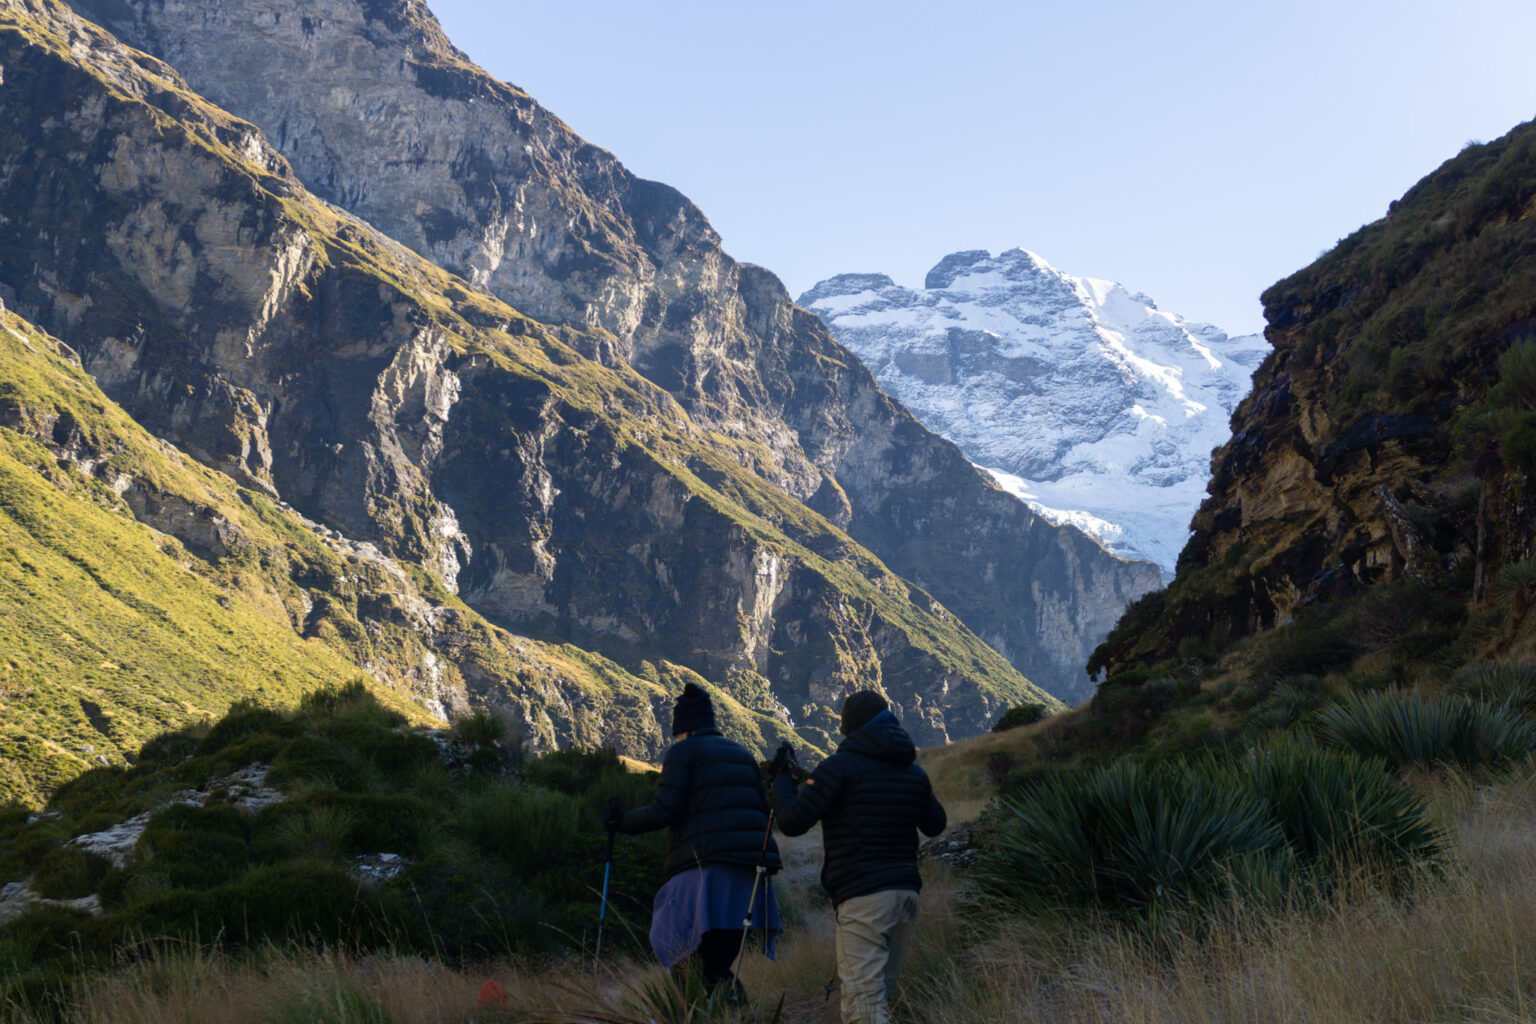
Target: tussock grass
[(1456, 949)]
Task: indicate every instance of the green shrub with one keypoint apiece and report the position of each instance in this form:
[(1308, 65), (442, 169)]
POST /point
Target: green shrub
[(319, 831), (12, 816), (1512, 683), (1274, 826), (323, 763), (480, 730), (1406, 728), (1292, 699), (169, 748), (1518, 444), (49, 934), (69, 872), (1337, 811), (28, 845), (1307, 648), (532, 830), (1021, 715), (488, 742), (400, 753), (1000, 765), (242, 720), (494, 864), (295, 901), (331, 824), (347, 699), (194, 847), (1517, 377), (578, 771), (1514, 582), (1124, 837)]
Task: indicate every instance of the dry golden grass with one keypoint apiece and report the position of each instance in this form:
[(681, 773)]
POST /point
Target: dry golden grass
[(1461, 949), (959, 770)]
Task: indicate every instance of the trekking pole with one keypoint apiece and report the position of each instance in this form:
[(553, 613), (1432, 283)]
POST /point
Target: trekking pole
[(602, 910), (746, 922)]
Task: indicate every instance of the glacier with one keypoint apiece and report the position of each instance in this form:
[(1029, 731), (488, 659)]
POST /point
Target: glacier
[(1077, 395)]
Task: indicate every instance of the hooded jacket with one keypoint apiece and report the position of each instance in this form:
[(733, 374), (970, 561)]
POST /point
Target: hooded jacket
[(710, 799), (871, 799)]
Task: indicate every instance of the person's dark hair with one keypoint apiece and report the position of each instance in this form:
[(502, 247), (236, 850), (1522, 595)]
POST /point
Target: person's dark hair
[(692, 711), (859, 708)]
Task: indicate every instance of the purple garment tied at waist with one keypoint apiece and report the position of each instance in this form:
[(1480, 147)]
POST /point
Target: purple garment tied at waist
[(714, 896)]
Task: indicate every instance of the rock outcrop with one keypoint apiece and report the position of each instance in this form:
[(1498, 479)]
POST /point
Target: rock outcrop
[(379, 114), (1392, 433)]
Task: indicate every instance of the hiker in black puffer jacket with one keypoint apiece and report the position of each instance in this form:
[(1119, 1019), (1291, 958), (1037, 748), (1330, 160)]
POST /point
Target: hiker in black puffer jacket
[(871, 799), (710, 799)]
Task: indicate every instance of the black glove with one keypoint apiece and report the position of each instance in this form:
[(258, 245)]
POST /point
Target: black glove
[(613, 815), (784, 761)]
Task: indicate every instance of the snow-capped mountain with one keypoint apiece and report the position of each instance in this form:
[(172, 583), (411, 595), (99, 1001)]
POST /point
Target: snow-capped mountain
[(1077, 395)]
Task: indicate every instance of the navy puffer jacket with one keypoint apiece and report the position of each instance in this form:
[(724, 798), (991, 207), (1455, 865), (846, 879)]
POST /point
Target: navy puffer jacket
[(710, 798), (871, 798)]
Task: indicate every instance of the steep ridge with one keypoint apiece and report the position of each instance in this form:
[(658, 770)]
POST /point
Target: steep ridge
[(290, 346), (1392, 433), (381, 115), (1083, 399)]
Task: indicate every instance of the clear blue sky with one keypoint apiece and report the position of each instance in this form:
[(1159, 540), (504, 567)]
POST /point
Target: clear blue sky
[(1197, 151)]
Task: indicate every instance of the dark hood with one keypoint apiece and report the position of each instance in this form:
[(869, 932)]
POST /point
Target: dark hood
[(881, 737)]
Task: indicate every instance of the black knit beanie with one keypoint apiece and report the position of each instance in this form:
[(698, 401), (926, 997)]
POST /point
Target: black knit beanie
[(859, 708), (692, 711)]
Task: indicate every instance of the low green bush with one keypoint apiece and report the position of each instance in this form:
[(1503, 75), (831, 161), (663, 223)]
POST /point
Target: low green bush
[(1338, 812), (1021, 715), (530, 829), (1124, 837), (1307, 648), (243, 719), (321, 762), (194, 847), (68, 873), (495, 864), (1512, 683), (1291, 699), (1275, 826), (1407, 728), (1517, 448)]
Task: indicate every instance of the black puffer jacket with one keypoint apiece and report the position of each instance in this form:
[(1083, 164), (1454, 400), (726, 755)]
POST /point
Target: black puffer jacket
[(871, 798), (711, 798)]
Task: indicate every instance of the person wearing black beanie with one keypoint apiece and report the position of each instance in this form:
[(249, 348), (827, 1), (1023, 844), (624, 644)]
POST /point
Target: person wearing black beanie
[(871, 799), (710, 799), (692, 711)]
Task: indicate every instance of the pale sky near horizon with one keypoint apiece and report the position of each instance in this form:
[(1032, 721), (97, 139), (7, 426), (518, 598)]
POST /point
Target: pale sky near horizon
[(1193, 150)]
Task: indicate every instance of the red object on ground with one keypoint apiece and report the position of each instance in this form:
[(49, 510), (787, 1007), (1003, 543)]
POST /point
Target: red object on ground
[(492, 994)]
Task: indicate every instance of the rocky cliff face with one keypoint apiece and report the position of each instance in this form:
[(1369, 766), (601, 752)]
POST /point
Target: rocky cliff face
[(142, 590), (1085, 400), (381, 115), (291, 346), (1392, 433)]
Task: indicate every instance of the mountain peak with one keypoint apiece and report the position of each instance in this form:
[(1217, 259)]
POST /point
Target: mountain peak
[(844, 284), (1080, 396), (954, 266)]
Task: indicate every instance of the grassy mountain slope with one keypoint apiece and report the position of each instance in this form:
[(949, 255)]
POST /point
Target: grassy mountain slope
[(141, 591), (112, 631), (289, 347)]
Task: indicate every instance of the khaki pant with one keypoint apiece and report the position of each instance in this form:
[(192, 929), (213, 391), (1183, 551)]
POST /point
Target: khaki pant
[(872, 936)]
